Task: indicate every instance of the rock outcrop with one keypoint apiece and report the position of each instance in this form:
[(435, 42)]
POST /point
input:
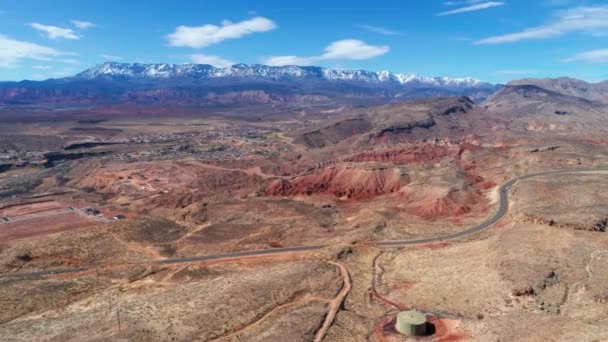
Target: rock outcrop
[(343, 181)]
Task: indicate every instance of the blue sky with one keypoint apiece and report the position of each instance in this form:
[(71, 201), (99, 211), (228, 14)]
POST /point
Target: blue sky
[(491, 40)]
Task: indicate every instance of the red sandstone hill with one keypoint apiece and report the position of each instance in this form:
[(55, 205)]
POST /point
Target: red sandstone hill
[(343, 181), (410, 155)]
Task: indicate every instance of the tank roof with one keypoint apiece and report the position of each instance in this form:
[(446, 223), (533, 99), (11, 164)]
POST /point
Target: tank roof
[(412, 317)]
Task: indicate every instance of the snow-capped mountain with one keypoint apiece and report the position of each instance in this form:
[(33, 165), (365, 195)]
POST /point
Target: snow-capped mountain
[(201, 84), (274, 73)]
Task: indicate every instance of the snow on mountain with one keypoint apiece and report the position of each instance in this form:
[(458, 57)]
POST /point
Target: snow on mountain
[(203, 71)]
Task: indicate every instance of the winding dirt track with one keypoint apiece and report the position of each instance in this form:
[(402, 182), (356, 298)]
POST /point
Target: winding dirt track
[(334, 305), (503, 208)]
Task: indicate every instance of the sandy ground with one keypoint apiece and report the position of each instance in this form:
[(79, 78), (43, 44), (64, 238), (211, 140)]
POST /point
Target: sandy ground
[(195, 303), (539, 270), (56, 222)]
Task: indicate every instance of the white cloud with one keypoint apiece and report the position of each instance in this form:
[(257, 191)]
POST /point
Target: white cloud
[(290, 60), (378, 29), (202, 36), (471, 8), (111, 57), (353, 49), (54, 32), (593, 56), (593, 20), (212, 60), (11, 51), (41, 67), (82, 24), (342, 49)]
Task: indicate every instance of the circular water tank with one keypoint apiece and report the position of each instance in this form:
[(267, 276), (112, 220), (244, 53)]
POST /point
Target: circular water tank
[(411, 323)]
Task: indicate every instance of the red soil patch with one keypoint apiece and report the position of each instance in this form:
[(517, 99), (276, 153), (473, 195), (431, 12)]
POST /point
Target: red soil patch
[(471, 146), (466, 195), (436, 245), (487, 185), (32, 208), (385, 301), (595, 141), (455, 220), (403, 285), (503, 224), (468, 167), (168, 184), (349, 182), (174, 201), (43, 225), (455, 203), (444, 330), (384, 327), (473, 178)]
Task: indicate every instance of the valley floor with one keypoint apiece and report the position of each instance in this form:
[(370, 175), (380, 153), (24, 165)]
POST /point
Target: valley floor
[(107, 235)]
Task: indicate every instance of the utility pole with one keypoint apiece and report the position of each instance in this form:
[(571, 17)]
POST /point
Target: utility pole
[(110, 303), (118, 318)]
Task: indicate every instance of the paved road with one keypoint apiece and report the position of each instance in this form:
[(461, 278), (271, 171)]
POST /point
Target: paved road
[(503, 208), (241, 254)]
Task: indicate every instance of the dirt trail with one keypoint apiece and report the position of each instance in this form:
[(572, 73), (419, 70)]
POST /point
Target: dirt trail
[(334, 305), (376, 276), (168, 278), (252, 171), (135, 247), (260, 320)]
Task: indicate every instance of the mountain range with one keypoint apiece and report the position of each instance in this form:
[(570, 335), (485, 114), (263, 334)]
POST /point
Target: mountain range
[(201, 84), (276, 73), (560, 104), (597, 92)]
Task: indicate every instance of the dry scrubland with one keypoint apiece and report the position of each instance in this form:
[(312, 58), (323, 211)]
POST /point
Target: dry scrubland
[(183, 303), (204, 186)]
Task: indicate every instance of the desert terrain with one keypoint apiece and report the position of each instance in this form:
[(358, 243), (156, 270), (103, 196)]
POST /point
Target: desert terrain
[(320, 226)]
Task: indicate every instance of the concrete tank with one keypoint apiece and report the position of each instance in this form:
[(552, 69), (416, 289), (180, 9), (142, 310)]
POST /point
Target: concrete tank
[(411, 323)]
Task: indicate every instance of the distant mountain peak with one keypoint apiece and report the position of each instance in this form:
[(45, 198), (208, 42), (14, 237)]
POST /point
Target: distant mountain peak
[(205, 71), (202, 84), (570, 87)]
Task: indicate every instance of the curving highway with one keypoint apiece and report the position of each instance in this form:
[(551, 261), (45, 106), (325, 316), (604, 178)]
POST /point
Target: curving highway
[(503, 208)]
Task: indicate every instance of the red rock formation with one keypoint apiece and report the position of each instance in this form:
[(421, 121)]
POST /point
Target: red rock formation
[(451, 198), (350, 182), (174, 201), (415, 154), (454, 203)]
